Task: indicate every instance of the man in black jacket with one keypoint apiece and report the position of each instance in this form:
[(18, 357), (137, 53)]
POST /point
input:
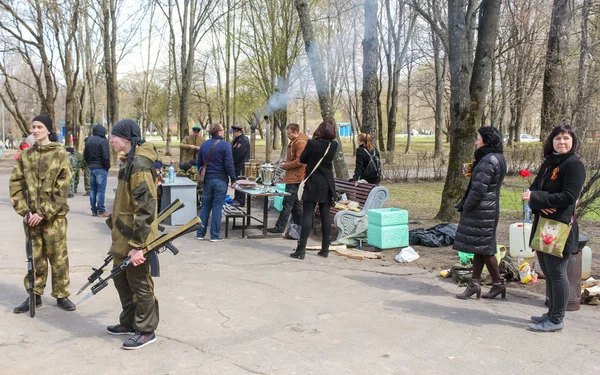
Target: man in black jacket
[(241, 154), (97, 157)]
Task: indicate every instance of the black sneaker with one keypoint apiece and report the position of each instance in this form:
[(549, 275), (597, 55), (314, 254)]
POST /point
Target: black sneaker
[(274, 230), (119, 329), (24, 307), (139, 340), (65, 304)]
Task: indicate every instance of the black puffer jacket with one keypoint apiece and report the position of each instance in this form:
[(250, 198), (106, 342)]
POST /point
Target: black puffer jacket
[(480, 207), (96, 152), (558, 185)]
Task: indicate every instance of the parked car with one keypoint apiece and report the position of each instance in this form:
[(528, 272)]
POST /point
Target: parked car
[(524, 138), (528, 138)]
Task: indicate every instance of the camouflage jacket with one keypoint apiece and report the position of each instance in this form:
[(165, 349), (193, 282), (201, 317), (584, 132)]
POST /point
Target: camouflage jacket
[(191, 173), (41, 181), (187, 153), (133, 221)]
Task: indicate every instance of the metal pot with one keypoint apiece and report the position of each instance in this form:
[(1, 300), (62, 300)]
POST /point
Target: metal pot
[(267, 172)]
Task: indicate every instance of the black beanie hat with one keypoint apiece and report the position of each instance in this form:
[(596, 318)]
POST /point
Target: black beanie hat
[(46, 120)]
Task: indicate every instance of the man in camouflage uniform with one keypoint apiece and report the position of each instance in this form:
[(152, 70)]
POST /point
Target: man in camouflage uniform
[(75, 167), (190, 145), (133, 226), (39, 186)]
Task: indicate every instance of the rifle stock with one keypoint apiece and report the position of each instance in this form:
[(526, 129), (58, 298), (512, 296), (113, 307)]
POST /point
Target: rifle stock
[(165, 213), (164, 242)]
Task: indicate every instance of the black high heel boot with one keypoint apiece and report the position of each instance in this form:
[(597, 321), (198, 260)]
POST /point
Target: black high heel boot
[(323, 253), (298, 253), (473, 288), (497, 288)]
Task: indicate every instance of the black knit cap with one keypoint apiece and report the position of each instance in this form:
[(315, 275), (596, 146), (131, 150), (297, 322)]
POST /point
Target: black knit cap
[(46, 120)]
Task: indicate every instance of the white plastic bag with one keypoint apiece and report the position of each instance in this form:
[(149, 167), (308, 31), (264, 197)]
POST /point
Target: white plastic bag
[(406, 255)]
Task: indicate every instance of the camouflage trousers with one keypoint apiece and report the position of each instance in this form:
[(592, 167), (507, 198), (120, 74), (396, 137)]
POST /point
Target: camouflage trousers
[(75, 180), (49, 240), (136, 291)]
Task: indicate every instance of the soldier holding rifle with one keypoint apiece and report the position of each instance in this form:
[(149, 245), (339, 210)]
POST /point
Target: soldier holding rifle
[(39, 186), (134, 225)]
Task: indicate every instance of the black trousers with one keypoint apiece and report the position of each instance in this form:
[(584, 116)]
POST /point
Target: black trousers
[(307, 220), (557, 284), (291, 205), (239, 196)]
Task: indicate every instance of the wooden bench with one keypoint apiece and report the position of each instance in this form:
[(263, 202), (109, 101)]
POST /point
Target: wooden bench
[(368, 196)]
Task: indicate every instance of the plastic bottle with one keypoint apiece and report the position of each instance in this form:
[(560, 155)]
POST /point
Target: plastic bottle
[(520, 258), (171, 174), (586, 262), (527, 214)]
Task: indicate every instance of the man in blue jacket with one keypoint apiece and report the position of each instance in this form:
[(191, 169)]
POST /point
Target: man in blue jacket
[(217, 156), (97, 157)]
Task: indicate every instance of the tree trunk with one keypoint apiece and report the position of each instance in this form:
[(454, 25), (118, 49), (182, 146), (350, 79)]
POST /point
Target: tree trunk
[(554, 91), (580, 117), (469, 85), (370, 60), (408, 103), (318, 72), (439, 93)]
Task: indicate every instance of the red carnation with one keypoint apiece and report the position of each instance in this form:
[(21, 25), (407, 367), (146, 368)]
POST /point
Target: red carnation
[(524, 173)]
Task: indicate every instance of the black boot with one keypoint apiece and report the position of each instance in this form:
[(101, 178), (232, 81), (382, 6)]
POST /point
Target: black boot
[(65, 304), (298, 253), (24, 307), (497, 288), (473, 288)]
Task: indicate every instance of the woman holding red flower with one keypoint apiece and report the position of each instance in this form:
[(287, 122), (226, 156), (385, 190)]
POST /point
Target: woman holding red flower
[(480, 210), (554, 193)]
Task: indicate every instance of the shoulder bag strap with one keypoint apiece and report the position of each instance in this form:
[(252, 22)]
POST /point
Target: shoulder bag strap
[(319, 163), (210, 152)]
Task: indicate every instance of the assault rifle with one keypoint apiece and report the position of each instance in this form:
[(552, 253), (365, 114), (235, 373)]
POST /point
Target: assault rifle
[(162, 243), (165, 213), (30, 271)]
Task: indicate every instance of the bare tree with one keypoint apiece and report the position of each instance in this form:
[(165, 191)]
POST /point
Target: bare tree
[(469, 85), (318, 72), (554, 101), (370, 62), (27, 36)]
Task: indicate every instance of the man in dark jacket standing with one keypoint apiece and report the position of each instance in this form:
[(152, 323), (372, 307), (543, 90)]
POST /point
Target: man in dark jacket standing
[(97, 157), (294, 173), (216, 155), (240, 147)]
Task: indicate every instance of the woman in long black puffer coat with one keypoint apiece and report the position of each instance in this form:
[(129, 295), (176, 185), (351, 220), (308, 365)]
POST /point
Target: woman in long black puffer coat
[(480, 210)]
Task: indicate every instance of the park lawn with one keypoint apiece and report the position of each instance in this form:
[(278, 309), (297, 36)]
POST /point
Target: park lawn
[(422, 198)]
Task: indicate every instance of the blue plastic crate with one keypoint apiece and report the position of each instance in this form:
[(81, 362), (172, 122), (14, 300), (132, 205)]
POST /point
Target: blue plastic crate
[(387, 237), (388, 216)]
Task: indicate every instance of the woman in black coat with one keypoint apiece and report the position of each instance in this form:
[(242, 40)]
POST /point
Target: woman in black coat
[(554, 194), (480, 210), (365, 150), (319, 187)]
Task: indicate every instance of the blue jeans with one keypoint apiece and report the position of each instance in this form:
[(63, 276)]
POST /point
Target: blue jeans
[(213, 198), (98, 179)]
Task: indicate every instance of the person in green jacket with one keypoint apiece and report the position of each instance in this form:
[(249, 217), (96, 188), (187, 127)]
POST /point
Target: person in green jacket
[(39, 186), (133, 226)]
